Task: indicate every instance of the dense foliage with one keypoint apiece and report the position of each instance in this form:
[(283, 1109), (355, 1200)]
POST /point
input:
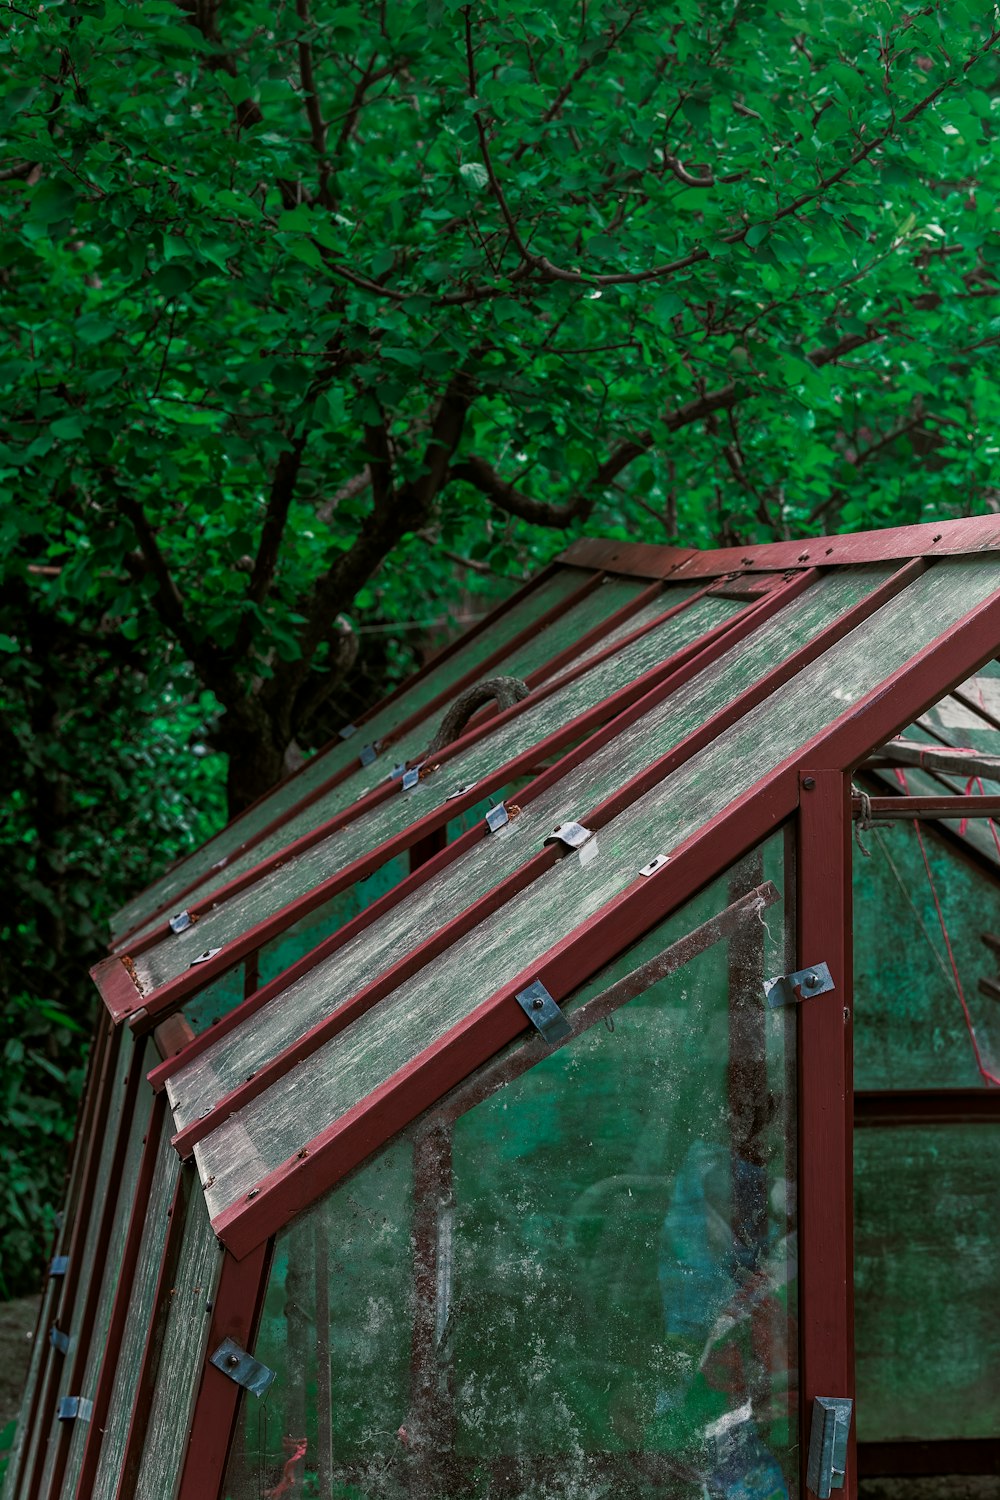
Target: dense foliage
[(317, 316)]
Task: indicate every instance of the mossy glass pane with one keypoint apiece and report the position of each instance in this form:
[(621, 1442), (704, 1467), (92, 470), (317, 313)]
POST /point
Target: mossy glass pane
[(927, 1269), (580, 1285)]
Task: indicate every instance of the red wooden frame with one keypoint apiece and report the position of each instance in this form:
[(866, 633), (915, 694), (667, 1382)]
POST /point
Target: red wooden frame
[(119, 990), (235, 1314), (825, 1100), (924, 678), (930, 539), (418, 957), (689, 667)]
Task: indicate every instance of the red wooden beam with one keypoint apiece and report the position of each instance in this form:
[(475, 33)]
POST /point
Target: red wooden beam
[(235, 1315), (931, 539), (926, 807), (927, 675), (927, 1107), (825, 1100)]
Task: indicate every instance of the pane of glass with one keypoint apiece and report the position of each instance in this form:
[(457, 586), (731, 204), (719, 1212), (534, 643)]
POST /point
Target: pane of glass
[(909, 1028), (273, 1126), (296, 875), (140, 1317), (598, 605), (580, 1285), (927, 1268), (183, 1354)]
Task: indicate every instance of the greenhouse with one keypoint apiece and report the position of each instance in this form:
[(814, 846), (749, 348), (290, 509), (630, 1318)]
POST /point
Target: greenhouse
[(580, 1078)]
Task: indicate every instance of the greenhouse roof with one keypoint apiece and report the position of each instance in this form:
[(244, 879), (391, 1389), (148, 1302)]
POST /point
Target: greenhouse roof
[(680, 703)]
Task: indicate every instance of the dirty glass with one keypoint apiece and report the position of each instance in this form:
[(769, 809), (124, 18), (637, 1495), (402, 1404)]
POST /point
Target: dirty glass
[(269, 1129), (598, 604), (927, 1268), (139, 1320), (109, 1273), (910, 1032), (182, 1356), (582, 1285), (372, 827), (484, 866)]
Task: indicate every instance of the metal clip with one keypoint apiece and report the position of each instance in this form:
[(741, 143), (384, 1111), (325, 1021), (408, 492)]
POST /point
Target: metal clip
[(398, 771), (181, 922), (74, 1408), (410, 778), (570, 834), (828, 1432), (346, 732), (59, 1265), (786, 989), (655, 864), (460, 791), (369, 753), (242, 1367), (497, 817), (204, 957), (543, 1012), (58, 1339)]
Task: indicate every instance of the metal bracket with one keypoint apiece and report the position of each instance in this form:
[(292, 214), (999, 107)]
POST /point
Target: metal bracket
[(181, 922), (370, 752), (346, 732), (828, 1432), (570, 834), (543, 1012), (410, 778), (59, 1265), (242, 1367), (74, 1408), (398, 771), (58, 1339), (460, 791), (204, 957), (497, 817), (655, 864), (786, 989)]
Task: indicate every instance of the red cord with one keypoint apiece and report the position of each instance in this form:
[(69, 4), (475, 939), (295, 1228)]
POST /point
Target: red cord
[(983, 1069)]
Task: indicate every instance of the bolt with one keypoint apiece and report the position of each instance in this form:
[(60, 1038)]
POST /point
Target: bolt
[(808, 782), (538, 1004), (812, 980), (253, 1193), (847, 1012), (232, 1360)]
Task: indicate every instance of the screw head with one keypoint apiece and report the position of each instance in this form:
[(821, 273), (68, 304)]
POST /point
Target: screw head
[(538, 1003), (232, 1360), (812, 979), (808, 782)]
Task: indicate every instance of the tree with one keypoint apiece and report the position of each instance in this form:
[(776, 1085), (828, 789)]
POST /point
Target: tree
[(301, 298)]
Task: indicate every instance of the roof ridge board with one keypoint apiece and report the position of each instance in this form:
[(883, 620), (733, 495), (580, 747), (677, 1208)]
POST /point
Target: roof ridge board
[(120, 988), (922, 679), (967, 534), (487, 622)]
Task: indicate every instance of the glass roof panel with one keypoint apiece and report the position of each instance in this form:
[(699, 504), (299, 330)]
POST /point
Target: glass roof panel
[(341, 753), (296, 1108), (301, 873), (427, 908)]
